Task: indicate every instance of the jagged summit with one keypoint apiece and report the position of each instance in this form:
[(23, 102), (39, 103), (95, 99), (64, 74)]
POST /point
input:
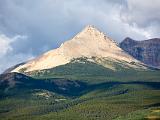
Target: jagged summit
[(91, 27), (90, 42), (92, 30)]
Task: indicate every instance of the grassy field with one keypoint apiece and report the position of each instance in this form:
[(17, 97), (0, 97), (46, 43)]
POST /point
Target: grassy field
[(79, 91)]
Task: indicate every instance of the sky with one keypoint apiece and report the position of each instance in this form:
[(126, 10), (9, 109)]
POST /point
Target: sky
[(29, 28)]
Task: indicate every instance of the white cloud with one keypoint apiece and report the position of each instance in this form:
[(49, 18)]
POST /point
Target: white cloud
[(4, 45), (142, 12), (142, 16), (7, 56)]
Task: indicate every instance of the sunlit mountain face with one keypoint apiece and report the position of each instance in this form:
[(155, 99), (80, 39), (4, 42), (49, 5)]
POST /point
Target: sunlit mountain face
[(89, 43)]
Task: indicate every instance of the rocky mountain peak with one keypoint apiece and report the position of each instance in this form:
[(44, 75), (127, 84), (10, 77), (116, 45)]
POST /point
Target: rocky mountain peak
[(90, 42), (89, 31), (90, 28)]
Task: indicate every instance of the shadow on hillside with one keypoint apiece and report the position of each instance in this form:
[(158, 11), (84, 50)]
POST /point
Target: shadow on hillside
[(77, 88), (66, 87), (152, 105)]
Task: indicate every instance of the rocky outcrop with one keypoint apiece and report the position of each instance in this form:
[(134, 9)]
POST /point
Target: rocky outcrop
[(147, 51)]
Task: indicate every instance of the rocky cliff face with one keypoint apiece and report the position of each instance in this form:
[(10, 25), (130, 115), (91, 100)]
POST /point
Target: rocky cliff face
[(147, 51)]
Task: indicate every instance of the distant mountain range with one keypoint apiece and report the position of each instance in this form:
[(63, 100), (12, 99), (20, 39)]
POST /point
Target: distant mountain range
[(147, 51)]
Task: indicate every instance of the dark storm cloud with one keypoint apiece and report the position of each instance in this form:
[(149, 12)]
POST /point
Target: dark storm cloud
[(44, 24)]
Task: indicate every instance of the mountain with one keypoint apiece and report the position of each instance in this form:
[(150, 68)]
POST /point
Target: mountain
[(87, 78), (89, 43), (147, 51)]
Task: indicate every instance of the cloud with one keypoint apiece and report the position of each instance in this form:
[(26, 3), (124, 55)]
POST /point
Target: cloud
[(47, 23), (8, 57), (4, 45), (144, 14)]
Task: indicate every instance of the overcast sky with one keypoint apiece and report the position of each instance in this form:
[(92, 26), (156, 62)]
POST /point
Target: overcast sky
[(30, 27)]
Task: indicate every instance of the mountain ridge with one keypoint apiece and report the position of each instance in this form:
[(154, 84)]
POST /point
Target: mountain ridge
[(147, 51)]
